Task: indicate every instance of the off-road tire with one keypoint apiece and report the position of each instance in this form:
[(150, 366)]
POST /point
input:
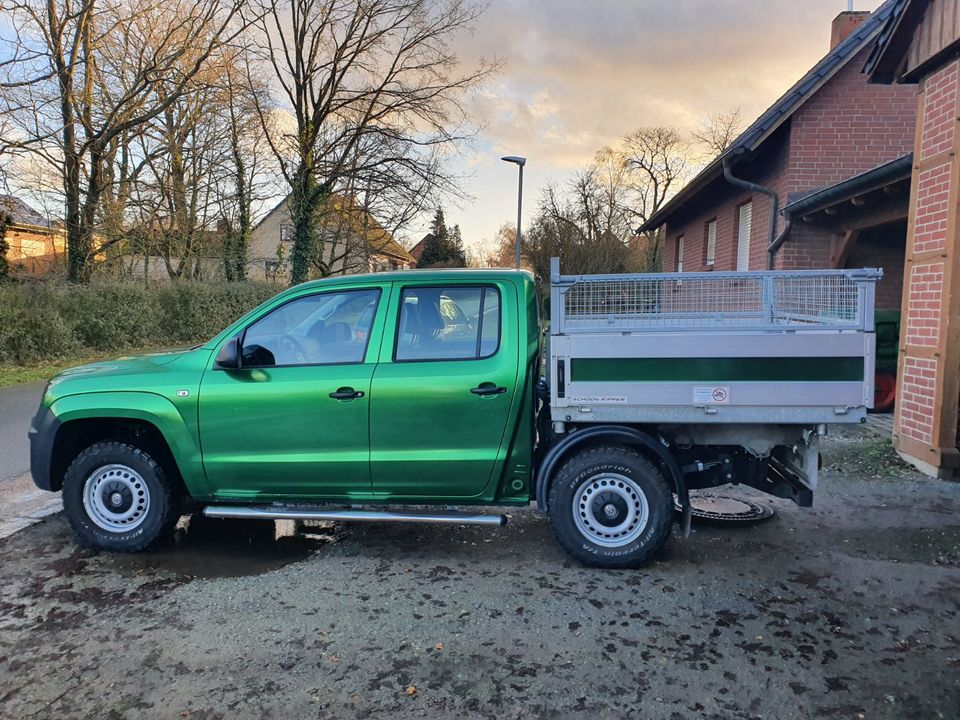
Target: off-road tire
[(159, 519), (607, 461)]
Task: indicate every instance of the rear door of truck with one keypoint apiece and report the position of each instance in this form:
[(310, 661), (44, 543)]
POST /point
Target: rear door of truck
[(443, 389)]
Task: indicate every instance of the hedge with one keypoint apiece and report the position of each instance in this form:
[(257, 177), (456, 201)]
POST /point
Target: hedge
[(41, 323)]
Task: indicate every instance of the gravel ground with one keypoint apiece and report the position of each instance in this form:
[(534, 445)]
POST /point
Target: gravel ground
[(848, 610)]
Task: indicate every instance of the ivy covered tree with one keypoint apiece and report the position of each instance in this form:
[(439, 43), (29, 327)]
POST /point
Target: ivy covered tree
[(5, 220), (443, 248)]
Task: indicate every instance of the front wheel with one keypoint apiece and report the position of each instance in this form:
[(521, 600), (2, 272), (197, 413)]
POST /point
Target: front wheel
[(118, 498), (610, 507)]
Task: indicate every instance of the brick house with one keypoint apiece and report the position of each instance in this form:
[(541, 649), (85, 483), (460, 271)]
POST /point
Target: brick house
[(919, 46), (417, 250), (37, 246), (831, 126)]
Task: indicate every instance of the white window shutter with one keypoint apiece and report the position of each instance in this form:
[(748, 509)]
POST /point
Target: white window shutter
[(743, 236), (711, 242)]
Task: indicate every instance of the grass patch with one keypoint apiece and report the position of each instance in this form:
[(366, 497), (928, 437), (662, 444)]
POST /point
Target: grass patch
[(18, 375), (858, 452)]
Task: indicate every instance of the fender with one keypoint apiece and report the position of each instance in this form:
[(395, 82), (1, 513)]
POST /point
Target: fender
[(620, 435), (149, 407)]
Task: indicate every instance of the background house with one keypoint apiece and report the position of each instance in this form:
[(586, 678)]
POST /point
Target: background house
[(831, 126), (352, 242), (417, 250), (37, 245)]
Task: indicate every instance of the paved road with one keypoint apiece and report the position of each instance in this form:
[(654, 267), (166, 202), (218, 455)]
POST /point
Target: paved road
[(17, 406)]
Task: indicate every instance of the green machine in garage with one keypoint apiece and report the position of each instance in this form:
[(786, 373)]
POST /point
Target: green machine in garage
[(888, 346)]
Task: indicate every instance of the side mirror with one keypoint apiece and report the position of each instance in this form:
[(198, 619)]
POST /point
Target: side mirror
[(229, 356)]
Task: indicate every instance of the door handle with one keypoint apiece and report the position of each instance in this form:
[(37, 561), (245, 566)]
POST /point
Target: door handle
[(488, 388), (346, 393)]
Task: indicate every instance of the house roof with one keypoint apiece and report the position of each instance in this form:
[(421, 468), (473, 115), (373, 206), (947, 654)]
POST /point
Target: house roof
[(22, 213), (379, 239), (417, 250), (782, 110), (858, 186), (917, 36)]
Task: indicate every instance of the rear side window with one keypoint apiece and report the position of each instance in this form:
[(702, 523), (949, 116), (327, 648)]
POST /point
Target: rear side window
[(452, 323)]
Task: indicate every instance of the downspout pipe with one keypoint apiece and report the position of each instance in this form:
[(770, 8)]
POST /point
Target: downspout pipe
[(773, 242), (779, 240)]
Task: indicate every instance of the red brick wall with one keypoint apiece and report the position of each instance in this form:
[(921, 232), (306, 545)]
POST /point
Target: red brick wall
[(722, 201), (883, 248), (926, 415), (848, 127)]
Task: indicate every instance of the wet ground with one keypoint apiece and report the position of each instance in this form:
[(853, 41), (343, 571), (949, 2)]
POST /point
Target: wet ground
[(849, 610)]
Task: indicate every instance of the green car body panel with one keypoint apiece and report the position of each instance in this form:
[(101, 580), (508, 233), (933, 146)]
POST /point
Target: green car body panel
[(416, 434)]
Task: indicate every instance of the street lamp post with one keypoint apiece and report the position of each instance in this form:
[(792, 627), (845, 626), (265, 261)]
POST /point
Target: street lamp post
[(519, 162)]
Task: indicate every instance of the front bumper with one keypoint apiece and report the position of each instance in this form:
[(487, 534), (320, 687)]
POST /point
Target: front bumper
[(42, 435)]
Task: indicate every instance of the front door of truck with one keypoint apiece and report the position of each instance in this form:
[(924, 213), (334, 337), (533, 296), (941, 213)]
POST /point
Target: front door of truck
[(293, 419), (443, 390)]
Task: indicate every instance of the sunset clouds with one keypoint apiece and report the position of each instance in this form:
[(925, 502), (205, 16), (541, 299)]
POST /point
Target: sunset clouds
[(579, 74)]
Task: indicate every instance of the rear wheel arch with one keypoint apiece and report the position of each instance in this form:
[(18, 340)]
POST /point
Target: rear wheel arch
[(616, 435)]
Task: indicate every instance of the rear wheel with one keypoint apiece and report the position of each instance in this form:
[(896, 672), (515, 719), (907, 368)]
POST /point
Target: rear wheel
[(118, 498), (610, 507)]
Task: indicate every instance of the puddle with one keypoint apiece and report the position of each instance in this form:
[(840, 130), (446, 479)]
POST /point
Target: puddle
[(213, 548)]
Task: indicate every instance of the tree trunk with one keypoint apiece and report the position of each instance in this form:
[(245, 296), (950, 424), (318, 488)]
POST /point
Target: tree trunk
[(304, 202)]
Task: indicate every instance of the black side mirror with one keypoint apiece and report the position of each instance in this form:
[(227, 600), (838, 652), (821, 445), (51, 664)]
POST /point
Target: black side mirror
[(229, 356)]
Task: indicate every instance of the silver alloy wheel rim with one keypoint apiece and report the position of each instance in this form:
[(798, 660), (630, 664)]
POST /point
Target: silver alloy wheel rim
[(610, 510), (116, 498)]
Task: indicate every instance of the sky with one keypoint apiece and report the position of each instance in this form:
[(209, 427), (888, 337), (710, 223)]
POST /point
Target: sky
[(579, 74)]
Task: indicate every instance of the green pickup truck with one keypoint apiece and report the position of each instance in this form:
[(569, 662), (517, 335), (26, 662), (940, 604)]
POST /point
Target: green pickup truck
[(397, 396)]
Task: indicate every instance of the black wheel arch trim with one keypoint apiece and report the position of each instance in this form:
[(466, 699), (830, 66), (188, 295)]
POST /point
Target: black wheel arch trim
[(618, 434), (43, 434)]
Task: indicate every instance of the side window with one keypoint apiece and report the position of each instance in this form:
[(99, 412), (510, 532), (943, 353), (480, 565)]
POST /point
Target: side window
[(323, 329), (452, 323)]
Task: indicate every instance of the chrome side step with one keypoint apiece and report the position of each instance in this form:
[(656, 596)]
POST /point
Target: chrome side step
[(267, 512)]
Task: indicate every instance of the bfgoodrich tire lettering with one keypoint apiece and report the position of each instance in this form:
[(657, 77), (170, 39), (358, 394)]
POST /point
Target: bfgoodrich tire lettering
[(610, 507), (150, 523)]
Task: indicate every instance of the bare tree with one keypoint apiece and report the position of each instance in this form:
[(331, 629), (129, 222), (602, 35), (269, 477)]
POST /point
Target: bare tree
[(358, 75), (82, 73), (657, 159), (716, 131)]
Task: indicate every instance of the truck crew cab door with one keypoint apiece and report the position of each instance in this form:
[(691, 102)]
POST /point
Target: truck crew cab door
[(443, 390), (292, 420)]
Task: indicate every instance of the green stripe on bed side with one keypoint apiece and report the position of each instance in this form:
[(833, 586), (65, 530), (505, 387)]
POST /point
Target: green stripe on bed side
[(716, 370)]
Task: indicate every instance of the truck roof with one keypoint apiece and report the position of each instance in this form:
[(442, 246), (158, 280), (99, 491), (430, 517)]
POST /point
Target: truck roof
[(479, 274)]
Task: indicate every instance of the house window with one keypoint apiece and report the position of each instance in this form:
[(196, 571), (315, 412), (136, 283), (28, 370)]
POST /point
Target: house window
[(745, 225), (285, 233), (680, 254), (710, 240)]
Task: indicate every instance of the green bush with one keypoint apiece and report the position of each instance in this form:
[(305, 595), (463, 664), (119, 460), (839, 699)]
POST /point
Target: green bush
[(42, 323)]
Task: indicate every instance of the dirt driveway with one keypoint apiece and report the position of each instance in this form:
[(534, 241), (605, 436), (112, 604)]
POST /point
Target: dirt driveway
[(851, 610)]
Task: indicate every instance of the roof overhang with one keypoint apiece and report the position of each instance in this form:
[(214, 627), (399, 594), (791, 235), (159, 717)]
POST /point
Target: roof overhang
[(887, 60), (872, 198)]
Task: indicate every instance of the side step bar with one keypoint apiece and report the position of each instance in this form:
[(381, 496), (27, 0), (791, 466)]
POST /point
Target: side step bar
[(266, 512)]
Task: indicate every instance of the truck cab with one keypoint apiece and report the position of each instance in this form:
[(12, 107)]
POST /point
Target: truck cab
[(393, 396)]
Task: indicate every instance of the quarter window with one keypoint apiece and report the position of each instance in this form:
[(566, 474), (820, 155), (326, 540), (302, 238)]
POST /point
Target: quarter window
[(451, 323), (324, 329)]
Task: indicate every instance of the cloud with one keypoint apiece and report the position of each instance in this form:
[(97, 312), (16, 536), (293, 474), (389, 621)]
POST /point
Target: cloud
[(578, 75)]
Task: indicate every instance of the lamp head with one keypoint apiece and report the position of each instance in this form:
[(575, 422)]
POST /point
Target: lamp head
[(515, 159)]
